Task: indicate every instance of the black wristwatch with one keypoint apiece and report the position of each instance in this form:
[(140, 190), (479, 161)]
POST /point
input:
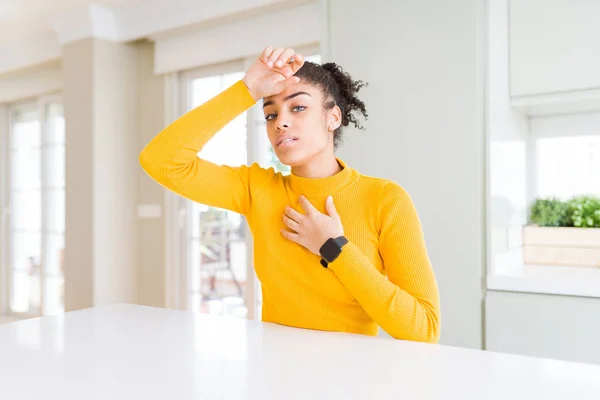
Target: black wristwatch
[(331, 250)]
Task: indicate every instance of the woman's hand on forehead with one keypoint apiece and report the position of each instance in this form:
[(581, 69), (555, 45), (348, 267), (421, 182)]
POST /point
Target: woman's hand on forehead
[(273, 72)]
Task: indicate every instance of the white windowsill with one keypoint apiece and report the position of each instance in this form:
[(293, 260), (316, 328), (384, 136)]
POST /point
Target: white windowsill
[(557, 280)]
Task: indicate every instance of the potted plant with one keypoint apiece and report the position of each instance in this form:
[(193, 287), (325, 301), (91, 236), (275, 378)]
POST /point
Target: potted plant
[(563, 232)]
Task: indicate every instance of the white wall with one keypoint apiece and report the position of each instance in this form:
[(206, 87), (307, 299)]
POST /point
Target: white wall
[(30, 82), (100, 99), (295, 27), (115, 156), (79, 222), (554, 46), (424, 63), (151, 231), (560, 327)]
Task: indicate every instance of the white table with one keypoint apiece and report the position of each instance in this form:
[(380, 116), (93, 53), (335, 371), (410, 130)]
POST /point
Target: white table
[(133, 352)]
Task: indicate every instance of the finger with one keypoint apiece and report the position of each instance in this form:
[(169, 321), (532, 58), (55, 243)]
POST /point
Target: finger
[(307, 206), (266, 53), (293, 214), (297, 63), (290, 223), (330, 207), (282, 85), (284, 57), (294, 237), (274, 56)]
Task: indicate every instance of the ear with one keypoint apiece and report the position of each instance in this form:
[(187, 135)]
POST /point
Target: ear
[(334, 118)]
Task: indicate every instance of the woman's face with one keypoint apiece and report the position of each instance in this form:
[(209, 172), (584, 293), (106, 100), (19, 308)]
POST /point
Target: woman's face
[(297, 124)]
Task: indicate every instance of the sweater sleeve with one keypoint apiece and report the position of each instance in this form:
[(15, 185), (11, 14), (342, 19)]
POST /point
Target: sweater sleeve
[(171, 156), (406, 303)]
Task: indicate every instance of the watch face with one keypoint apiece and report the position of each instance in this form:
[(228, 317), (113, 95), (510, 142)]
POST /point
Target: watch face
[(340, 241), (331, 250)]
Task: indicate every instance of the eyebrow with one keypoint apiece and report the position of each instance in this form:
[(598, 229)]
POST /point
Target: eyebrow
[(291, 96)]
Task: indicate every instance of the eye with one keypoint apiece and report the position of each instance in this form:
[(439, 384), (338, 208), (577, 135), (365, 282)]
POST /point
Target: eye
[(299, 108), (270, 117)]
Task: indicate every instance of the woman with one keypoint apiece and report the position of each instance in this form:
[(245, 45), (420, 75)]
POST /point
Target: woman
[(335, 250)]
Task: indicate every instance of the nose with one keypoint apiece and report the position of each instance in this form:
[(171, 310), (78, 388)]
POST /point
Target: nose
[(283, 120)]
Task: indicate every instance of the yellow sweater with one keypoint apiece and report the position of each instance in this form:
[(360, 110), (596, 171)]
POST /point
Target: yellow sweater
[(379, 219)]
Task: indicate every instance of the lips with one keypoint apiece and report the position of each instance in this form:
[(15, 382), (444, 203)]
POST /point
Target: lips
[(286, 140)]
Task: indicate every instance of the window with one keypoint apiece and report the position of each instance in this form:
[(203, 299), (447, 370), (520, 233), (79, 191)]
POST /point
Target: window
[(36, 208), (555, 156), (567, 166), (565, 152)]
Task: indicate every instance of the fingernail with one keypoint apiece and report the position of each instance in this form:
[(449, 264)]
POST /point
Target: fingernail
[(270, 63), (279, 63)]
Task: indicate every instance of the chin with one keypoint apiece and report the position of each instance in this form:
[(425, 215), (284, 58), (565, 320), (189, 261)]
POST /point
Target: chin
[(292, 158)]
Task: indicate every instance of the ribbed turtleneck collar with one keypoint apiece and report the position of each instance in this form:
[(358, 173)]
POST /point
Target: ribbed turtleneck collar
[(324, 186)]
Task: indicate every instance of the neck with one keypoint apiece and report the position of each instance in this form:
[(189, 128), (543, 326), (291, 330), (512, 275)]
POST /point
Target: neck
[(321, 166), (322, 179)]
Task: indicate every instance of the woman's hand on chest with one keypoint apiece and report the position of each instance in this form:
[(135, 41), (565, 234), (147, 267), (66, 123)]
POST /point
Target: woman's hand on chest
[(312, 229)]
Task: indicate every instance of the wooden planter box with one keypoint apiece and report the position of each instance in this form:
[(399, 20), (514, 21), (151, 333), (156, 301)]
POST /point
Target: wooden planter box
[(561, 246)]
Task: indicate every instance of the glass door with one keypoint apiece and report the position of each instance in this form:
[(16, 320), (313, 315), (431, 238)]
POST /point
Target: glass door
[(36, 165), (217, 239), (25, 234)]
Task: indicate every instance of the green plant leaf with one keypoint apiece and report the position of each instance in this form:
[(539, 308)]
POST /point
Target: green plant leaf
[(584, 211), (549, 212)]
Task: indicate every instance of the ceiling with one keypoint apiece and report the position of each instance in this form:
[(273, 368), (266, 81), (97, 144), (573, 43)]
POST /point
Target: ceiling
[(24, 18)]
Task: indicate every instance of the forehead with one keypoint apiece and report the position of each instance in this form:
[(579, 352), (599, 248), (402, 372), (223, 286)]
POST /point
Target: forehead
[(295, 88)]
